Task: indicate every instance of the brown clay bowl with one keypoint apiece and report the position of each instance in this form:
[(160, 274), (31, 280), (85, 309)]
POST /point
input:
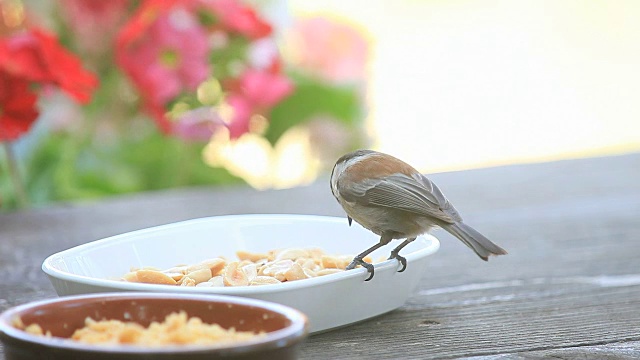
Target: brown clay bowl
[(285, 327)]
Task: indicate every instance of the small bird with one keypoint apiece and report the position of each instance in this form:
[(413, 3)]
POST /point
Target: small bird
[(395, 201)]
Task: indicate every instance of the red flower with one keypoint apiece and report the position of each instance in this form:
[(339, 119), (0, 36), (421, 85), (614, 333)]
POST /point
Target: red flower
[(158, 113), (29, 57), (17, 107), (135, 29), (37, 56)]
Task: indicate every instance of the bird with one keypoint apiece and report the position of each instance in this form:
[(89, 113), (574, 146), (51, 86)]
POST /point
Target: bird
[(395, 201)]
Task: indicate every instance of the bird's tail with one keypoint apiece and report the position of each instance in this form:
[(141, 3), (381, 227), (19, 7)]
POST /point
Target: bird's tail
[(474, 240)]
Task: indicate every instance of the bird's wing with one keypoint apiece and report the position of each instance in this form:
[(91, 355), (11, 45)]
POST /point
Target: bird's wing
[(443, 203), (417, 195)]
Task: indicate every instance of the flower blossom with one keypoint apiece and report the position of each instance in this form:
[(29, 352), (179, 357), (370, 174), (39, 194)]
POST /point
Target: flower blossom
[(165, 52), (198, 125), (167, 47), (38, 56), (236, 17), (17, 107), (256, 92), (264, 55), (330, 49), (264, 89), (35, 57), (241, 112)]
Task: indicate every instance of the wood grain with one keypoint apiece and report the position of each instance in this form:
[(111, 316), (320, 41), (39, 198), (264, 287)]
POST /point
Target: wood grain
[(569, 288)]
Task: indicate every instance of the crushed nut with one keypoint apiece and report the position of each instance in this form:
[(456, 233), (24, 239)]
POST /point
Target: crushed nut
[(272, 267), (233, 276)]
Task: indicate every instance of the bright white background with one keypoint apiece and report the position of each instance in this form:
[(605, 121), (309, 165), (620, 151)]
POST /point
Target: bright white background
[(463, 83)]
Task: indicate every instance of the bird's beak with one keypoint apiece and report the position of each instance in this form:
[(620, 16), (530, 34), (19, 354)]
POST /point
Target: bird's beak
[(350, 220)]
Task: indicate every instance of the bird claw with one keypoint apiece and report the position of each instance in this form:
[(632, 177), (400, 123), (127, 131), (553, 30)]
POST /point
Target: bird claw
[(401, 259), (357, 261)]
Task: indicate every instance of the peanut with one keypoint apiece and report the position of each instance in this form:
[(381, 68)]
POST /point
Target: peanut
[(250, 270), (245, 255), (200, 276), (233, 276), (187, 281), (130, 276), (310, 273), (309, 264), (214, 265), (174, 275), (177, 269), (217, 281), (154, 277), (295, 272), (276, 269)]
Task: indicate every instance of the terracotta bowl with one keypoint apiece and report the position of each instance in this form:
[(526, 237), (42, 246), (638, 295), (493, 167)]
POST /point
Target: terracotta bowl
[(285, 327)]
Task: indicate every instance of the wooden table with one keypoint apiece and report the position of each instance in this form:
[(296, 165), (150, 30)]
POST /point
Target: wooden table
[(569, 288)]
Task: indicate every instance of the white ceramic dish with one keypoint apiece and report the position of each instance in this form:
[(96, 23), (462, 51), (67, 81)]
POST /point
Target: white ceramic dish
[(328, 301)]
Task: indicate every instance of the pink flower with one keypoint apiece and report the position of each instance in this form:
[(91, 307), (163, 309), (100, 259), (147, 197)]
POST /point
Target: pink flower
[(330, 49), (238, 124), (264, 55), (255, 92), (264, 89), (198, 124), (166, 55), (240, 18), (166, 50)]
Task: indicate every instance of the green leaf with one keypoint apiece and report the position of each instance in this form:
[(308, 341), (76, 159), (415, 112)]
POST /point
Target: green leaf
[(64, 167), (224, 58), (311, 99)]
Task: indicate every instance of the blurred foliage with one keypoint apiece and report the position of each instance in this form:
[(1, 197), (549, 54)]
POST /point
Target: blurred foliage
[(152, 162), (112, 145), (314, 98)]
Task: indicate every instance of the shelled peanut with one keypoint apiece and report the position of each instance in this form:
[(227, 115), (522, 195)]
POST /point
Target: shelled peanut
[(272, 267)]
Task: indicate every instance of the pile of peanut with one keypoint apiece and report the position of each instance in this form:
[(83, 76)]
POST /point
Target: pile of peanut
[(272, 267), (176, 329)]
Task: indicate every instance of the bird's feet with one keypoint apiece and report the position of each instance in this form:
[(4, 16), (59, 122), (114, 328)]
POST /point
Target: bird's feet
[(358, 261), (401, 259)]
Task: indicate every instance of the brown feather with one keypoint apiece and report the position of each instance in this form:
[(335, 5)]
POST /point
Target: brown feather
[(378, 166)]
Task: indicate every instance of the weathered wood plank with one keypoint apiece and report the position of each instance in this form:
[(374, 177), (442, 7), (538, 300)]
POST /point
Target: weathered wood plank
[(614, 351), (490, 322)]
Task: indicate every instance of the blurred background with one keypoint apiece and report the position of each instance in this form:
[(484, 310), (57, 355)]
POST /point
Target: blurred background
[(458, 84), (145, 95)]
